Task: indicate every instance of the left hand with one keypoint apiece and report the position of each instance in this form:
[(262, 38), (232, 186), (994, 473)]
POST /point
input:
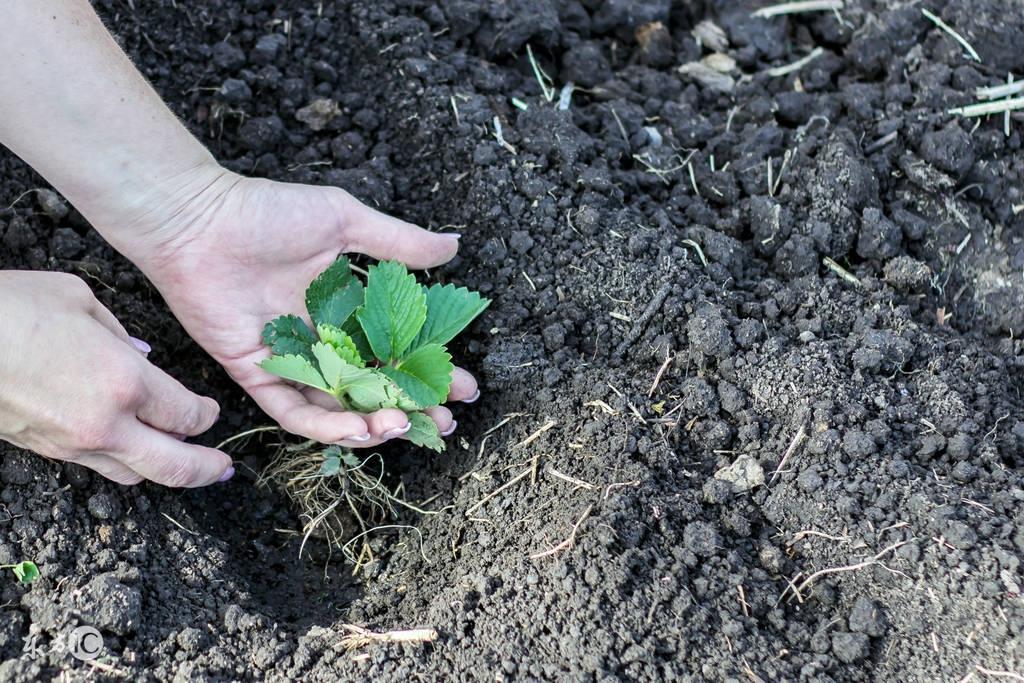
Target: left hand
[(242, 251)]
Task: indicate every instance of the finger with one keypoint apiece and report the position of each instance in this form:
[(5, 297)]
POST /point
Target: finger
[(370, 232), (387, 424), (318, 397), (170, 407), (104, 317), (140, 346), (165, 460), (382, 425), (369, 443), (464, 387), (109, 468), (442, 417), (296, 414)]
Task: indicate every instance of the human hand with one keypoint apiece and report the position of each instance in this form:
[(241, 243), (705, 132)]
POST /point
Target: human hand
[(241, 252), (77, 388)]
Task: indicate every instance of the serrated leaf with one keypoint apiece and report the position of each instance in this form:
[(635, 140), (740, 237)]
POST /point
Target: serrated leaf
[(297, 369), (395, 309), (342, 343), (449, 310), (334, 295), (424, 432), (331, 464), (425, 375), (289, 334), (331, 364), (365, 389), (355, 331), (399, 399)]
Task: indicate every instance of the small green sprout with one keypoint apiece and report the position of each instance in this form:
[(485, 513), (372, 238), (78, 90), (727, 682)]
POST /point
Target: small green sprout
[(25, 572), (376, 346)]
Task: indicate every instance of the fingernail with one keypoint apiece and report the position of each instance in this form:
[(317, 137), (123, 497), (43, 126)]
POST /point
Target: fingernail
[(456, 235), (473, 398), (140, 345), (398, 431), (359, 438), (450, 429), (228, 473)]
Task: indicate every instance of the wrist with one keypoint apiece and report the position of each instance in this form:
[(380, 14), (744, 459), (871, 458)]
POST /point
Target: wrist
[(148, 225)]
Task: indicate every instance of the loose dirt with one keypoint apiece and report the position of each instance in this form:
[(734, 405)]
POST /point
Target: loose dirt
[(758, 464)]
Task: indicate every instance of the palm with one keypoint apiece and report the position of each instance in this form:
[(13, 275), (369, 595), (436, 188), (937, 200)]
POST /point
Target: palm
[(249, 257)]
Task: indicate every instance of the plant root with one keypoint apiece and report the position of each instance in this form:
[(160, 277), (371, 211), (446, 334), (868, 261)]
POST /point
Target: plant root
[(358, 636), (341, 498)]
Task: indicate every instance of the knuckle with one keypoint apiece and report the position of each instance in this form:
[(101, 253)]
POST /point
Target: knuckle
[(96, 433), (199, 416), (126, 385), (190, 421), (180, 472), (208, 413), (194, 414)]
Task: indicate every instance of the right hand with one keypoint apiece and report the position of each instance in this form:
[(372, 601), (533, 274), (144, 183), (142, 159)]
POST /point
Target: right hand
[(76, 388)]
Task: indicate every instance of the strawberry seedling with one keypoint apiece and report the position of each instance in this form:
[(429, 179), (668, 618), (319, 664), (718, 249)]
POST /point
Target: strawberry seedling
[(371, 346), (375, 346), (25, 572)]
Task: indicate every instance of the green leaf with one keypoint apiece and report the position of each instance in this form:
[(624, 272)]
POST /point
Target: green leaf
[(355, 331), (449, 311), (331, 464), (424, 432), (342, 343), (331, 364), (334, 295), (26, 572), (295, 368), (288, 335), (362, 389), (371, 391), (401, 400), (348, 457), (425, 375), (394, 311)]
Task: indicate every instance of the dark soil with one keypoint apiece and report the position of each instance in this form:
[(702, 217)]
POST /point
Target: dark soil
[(898, 399)]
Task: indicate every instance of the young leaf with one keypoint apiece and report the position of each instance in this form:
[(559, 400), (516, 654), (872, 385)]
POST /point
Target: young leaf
[(334, 295), (449, 311), (295, 368), (331, 464), (348, 457), (425, 375), (424, 432), (368, 390), (399, 399), (288, 334), (26, 572), (394, 310), (342, 343), (330, 362), (364, 389)]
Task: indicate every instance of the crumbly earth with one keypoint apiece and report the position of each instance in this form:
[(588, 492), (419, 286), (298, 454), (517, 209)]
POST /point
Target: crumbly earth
[(662, 312)]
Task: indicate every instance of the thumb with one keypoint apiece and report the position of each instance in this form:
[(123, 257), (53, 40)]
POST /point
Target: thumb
[(375, 234)]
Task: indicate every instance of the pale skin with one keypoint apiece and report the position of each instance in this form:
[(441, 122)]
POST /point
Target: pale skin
[(227, 253)]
